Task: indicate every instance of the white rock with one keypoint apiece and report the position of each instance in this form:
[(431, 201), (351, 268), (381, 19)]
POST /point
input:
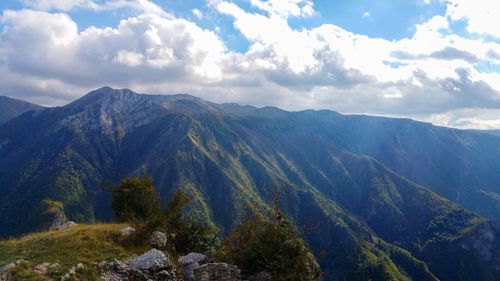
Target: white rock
[(127, 231)]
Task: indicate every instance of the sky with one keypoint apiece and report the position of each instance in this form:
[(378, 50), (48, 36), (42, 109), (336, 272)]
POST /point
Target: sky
[(432, 60)]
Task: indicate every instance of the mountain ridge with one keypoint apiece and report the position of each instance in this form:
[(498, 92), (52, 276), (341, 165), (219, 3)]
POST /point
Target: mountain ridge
[(11, 108), (336, 171)]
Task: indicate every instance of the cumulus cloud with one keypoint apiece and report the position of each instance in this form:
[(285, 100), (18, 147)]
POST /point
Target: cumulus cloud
[(285, 8), (144, 6), (432, 75), (481, 15), (147, 48)]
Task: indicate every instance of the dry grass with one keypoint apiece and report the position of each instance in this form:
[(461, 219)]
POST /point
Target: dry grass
[(85, 244)]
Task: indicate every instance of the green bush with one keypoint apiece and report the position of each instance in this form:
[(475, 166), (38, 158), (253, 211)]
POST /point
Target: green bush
[(188, 235), (135, 200), (273, 244)]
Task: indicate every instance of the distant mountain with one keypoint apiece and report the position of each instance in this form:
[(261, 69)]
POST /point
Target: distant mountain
[(378, 192), (11, 108), (491, 132)]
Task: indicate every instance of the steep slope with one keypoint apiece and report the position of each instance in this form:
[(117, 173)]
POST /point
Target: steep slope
[(369, 221), (460, 165), (11, 108)]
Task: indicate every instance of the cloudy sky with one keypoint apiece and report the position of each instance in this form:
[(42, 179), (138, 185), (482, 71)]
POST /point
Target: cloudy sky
[(431, 60)]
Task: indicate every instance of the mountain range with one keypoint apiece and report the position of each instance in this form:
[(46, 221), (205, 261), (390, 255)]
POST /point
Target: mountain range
[(10, 108), (382, 198)]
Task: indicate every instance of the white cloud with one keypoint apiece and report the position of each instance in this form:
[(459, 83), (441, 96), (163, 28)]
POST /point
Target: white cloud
[(61, 5), (142, 6), (366, 15), (285, 8), (129, 58), (431, 75), (145, 48), (197, 13), (482, 16)]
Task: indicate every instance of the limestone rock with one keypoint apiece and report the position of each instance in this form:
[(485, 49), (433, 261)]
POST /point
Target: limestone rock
[(153, 265), (189, 263), (44, 267), (73, 270), (5, 274), (261, 276), (114, 271), (150, 261), (217, 272), (127, 231), (158, 240)]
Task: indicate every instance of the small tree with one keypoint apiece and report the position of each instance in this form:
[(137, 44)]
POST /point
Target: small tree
[(135, 200), (273, 244)]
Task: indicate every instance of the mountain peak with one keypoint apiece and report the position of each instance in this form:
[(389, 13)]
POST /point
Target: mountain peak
[(107, 91)]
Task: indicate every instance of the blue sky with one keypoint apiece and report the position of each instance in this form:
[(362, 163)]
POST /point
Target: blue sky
[(389, 19), (431, 60)]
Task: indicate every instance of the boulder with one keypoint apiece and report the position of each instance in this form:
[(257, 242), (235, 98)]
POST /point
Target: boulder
[(114, 271), (195, 257), (7, 267), (189, 263), (217, 272), (150, 261), (153, 265), (5, 274), (127, 231), (158, 240), (261, 276)]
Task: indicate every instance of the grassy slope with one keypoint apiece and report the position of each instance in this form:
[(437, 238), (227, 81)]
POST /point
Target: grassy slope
[(80, 244)]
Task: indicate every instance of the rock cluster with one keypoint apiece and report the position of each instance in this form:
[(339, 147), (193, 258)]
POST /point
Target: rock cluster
[(154, 265), (217, 272), (261, 276), (72, 271), (150, 266), (5, 274), (189, 263), (195, 267), (44, 267)]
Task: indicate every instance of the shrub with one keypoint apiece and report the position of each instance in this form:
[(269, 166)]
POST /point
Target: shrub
[(188, 235), (273, 244), (135, 200)]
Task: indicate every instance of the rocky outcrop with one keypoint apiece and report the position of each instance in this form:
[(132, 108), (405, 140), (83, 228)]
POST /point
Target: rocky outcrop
[(195, 267), (5, 274), (217, 272), (150, 266), (42, 268), (158, 240), (261, 276), (189, 263), (114, 271), (73, 271)]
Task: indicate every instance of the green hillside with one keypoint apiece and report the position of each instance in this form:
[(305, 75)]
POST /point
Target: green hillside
[(380, 194), (85, 244)]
